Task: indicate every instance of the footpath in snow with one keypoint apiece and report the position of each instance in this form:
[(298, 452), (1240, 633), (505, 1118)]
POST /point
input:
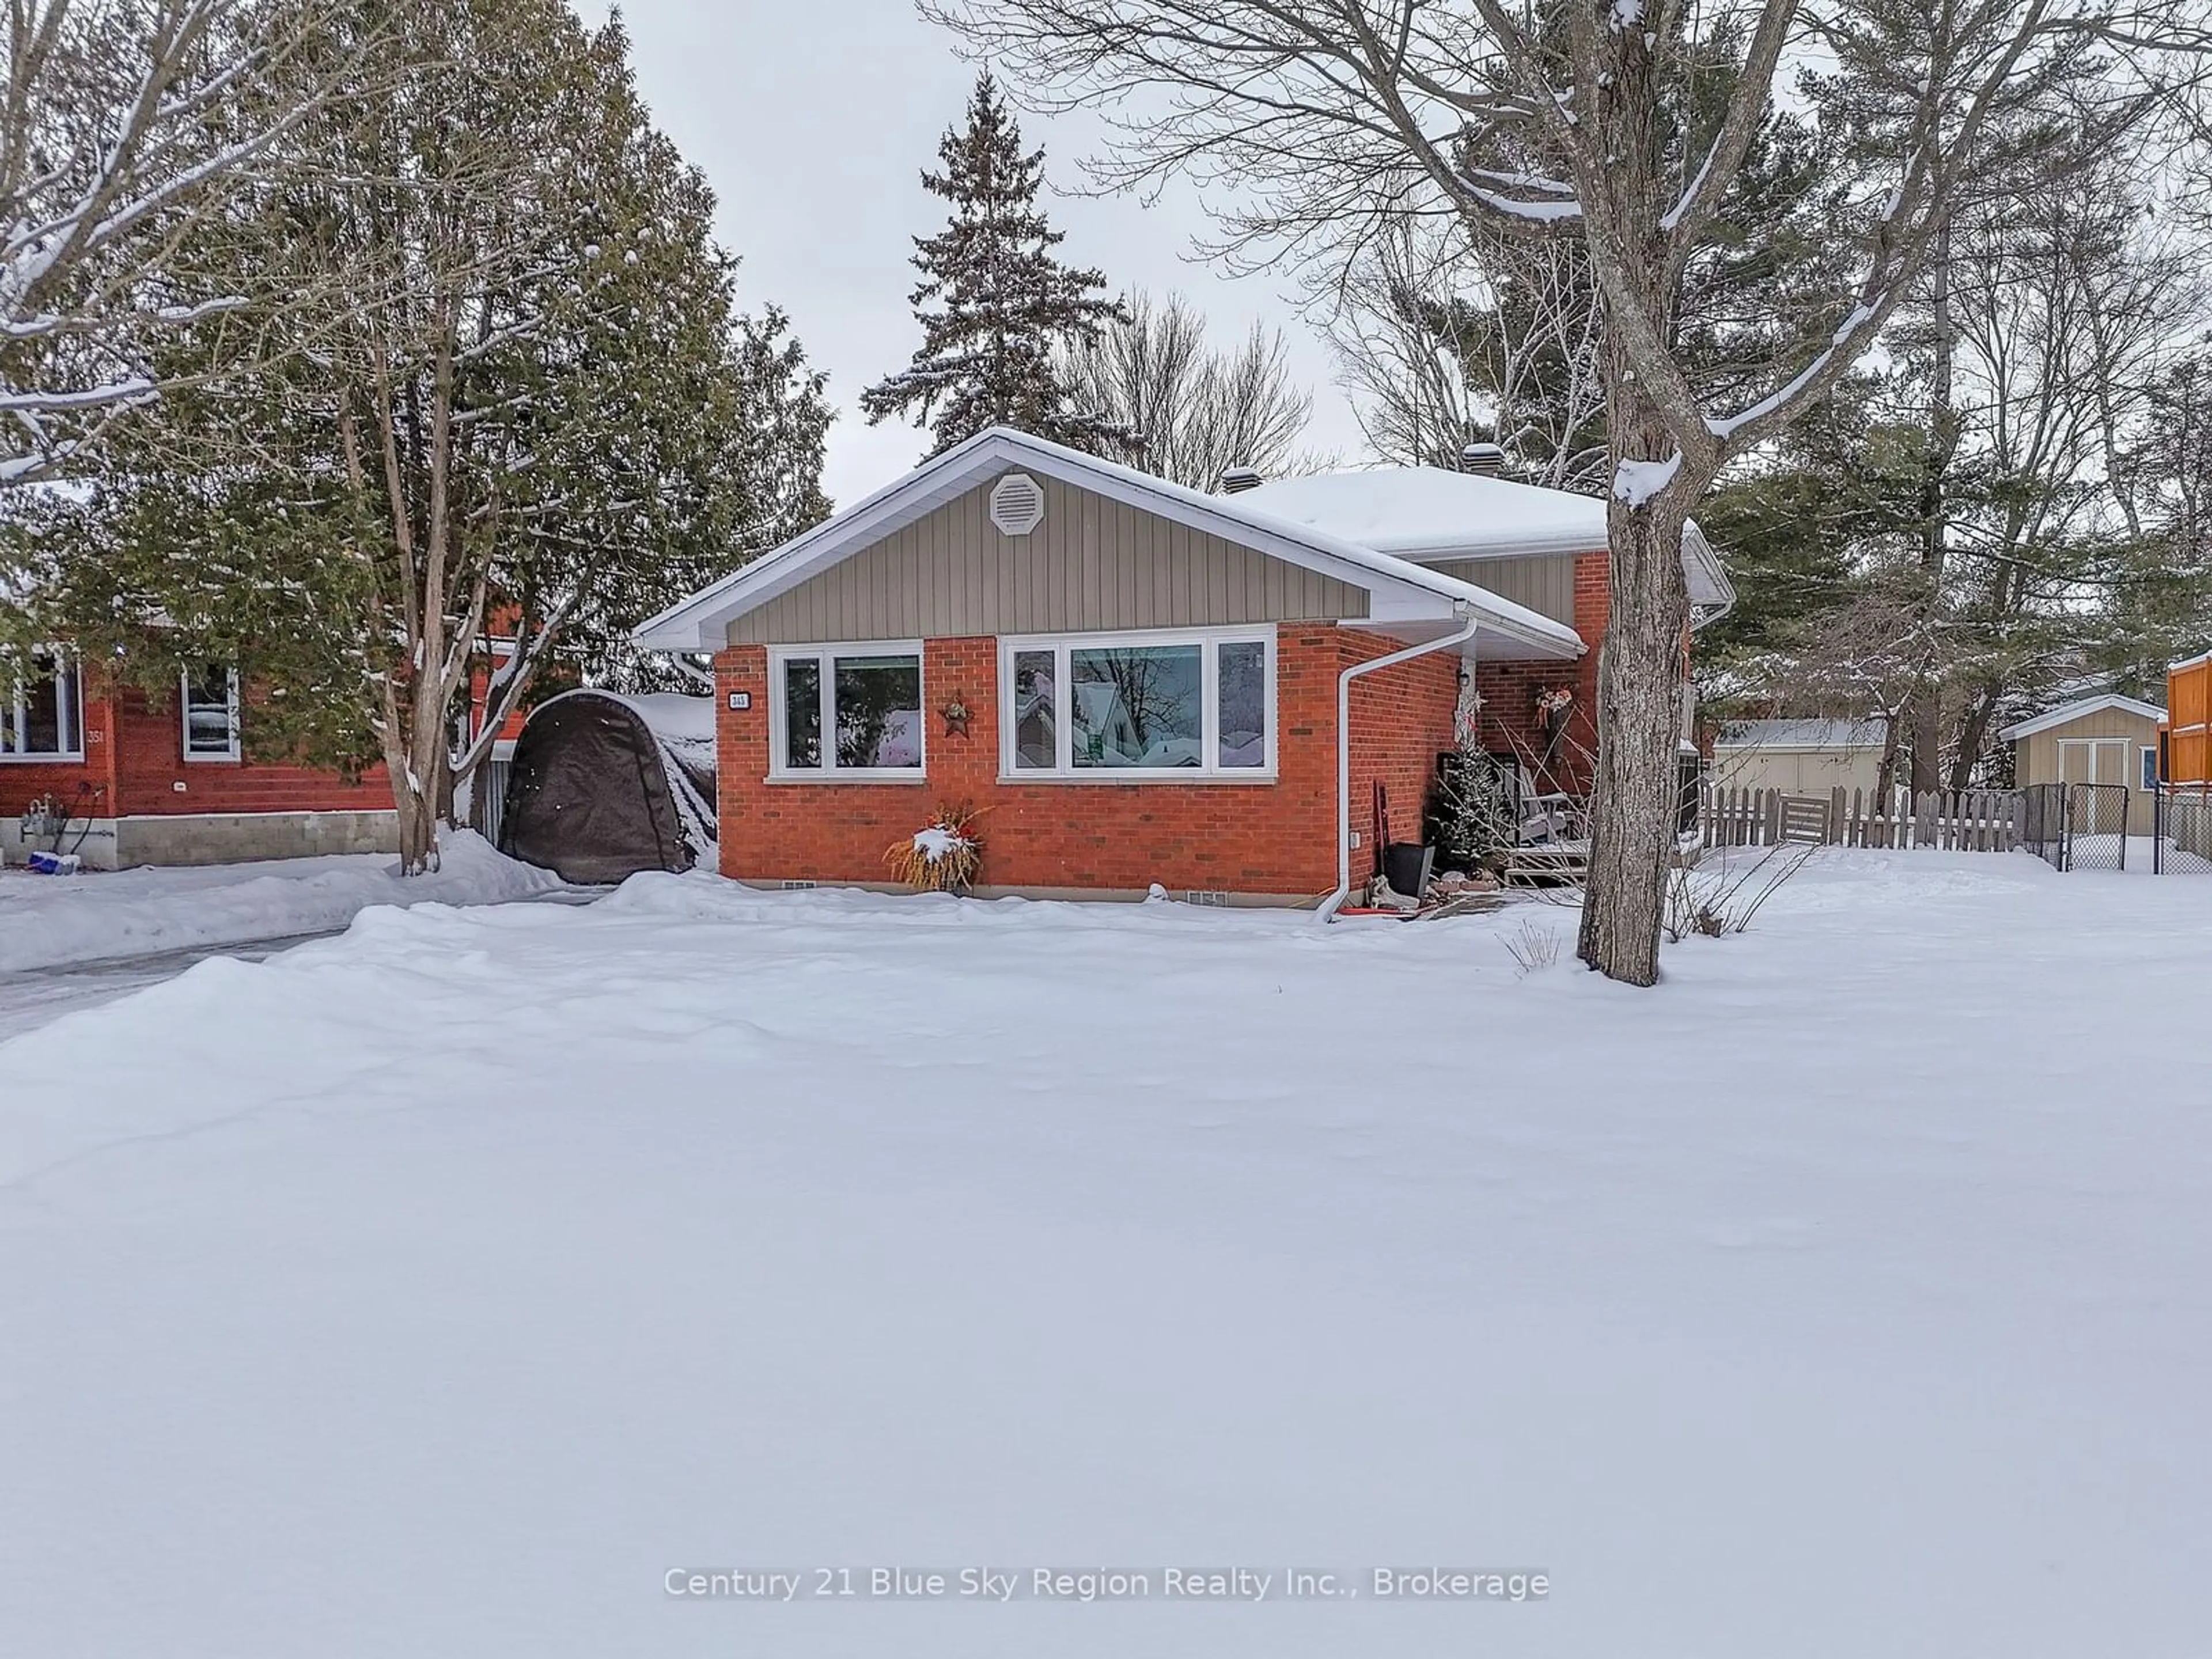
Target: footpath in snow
[(461, 1285), (50, 921)]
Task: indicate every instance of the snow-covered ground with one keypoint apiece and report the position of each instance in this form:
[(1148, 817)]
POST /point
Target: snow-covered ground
[(46, 921), (441, 1288)]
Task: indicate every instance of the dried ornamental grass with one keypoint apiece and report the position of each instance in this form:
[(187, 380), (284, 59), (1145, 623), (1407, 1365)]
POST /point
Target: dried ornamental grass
[(943, 855)]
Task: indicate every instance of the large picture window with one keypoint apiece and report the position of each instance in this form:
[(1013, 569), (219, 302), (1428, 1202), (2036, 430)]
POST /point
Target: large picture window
[(209, 703), (41, 708), (1169, 704), (847, 711)]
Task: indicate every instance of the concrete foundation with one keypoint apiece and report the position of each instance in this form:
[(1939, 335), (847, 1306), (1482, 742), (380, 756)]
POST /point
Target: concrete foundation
[(213, 837)]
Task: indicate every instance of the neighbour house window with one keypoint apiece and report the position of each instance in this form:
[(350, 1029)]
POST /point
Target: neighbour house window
[(847, 711), (41, 708), (210, 701), (1179, 703), (2150, 767)]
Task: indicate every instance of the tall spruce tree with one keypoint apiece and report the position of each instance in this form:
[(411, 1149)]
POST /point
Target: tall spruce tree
[(997, 308)]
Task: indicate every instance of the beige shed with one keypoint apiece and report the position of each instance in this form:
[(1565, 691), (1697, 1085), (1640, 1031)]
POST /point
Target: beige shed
[(1801, 757), (2108, 739)]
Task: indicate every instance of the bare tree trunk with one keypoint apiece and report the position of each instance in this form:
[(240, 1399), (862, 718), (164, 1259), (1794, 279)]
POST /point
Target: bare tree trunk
[(1639, 716), (421, 783), (1924, 716), (418, 772), (1976, 723)]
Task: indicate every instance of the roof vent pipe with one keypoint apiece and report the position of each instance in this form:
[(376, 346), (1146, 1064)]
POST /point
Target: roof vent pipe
[(1487, 459), (1238, 479)]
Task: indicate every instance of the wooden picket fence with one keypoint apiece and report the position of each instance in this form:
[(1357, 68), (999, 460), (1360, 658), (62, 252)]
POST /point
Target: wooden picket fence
[(1944, 820)]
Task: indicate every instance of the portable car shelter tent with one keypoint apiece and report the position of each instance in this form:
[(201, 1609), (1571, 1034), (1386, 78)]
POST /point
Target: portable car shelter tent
[(603, 786)]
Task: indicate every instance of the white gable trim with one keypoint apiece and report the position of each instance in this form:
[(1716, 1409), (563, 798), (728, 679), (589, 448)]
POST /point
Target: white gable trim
[(1398, 591), (2066, 713)]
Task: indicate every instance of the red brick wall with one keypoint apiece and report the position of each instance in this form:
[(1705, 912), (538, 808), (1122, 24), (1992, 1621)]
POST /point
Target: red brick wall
[(1509, 690), (1276, 838), (149, 750), (1402, 719), (85, 787), (135, 755)]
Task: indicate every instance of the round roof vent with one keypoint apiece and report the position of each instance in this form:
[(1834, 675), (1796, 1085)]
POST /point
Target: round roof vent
[(1017, 504)]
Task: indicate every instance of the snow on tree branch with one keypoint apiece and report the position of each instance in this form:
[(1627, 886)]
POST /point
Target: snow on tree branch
[(120, 125)]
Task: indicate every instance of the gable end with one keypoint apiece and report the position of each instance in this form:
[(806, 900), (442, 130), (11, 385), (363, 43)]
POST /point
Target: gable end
[(1089, 563)]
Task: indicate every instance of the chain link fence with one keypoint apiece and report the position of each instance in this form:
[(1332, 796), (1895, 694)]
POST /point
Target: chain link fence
[(2181, 838), (2076, 826)]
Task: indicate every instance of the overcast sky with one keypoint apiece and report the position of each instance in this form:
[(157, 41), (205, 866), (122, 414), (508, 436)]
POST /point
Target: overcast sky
[(813, 119)]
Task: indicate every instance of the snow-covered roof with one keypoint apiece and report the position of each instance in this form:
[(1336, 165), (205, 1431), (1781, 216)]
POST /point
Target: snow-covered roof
[(1804, 734), (677, 717), (1428, 512), (1404, 599), (2068, 711), (674, 716), (1413, 511)]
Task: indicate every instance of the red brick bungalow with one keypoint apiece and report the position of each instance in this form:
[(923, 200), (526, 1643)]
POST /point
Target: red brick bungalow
[(1141, 682), (149, 782)]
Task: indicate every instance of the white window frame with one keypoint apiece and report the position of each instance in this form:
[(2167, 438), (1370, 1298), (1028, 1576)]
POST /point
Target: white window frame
[(231, 753), (829, 771), (2147, 763), (1065, 771), (16, 713)]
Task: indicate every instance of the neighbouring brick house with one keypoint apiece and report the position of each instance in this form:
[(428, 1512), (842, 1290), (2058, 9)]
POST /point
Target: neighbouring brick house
[(1139, 682), (145, 780)]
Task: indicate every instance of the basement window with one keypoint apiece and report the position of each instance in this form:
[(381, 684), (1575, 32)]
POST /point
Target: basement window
[(1176, 706), (846, 712), (209, 700), (42, 707)]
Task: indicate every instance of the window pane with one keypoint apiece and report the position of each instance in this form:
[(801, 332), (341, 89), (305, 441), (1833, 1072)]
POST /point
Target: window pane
[(1137, 706), (1035, 732), (879, 711), (207, 713), (802, 713), (44, 690), (1243, 667)]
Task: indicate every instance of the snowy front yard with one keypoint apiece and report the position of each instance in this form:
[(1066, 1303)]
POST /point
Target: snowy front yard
[(49, 921), (439, 1289)]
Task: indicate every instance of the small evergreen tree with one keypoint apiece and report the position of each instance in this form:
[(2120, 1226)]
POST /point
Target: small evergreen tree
[(996, 307)]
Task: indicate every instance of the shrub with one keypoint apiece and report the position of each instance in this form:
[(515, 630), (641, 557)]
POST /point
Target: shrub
[(1717, 900), (1532, 947)]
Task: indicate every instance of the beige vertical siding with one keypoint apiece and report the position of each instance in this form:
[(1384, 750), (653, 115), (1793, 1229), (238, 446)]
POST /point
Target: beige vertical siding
[(1093, 563), (1546, 584), (1797, 771), (2035, 758)]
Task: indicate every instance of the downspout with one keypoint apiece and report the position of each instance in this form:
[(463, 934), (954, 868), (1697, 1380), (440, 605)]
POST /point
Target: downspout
[(1468, 624)]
